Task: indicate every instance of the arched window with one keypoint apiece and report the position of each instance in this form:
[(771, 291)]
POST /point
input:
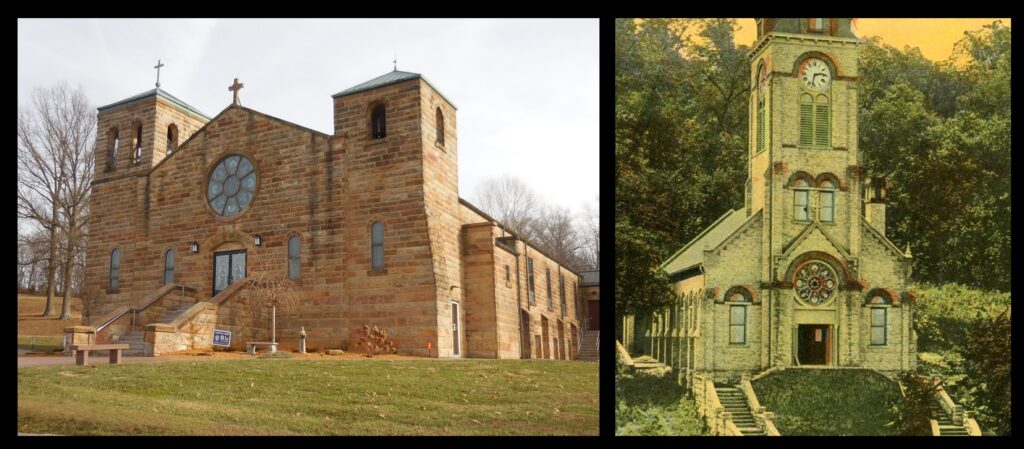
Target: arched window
[(169, 267), (137, 145), (814, 121), (801, 198), (378, 122), (115, 269), (439, 123), (377, 255), (172, 138), (551, 301), (762, 125), (112, 151), (827, 201), (293, 257)]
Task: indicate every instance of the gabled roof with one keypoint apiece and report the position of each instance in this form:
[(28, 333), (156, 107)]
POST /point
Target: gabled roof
[(692, 254), (395, 76), (158, 92), (789, 248), (885, 240)]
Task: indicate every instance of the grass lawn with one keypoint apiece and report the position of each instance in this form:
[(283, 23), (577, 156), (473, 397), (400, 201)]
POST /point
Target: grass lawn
[(279, 397), (650, 402), (829, 401)]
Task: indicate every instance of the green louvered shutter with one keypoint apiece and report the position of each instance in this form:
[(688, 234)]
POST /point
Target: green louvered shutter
[(822, 135), (806, 124), (760, 128)]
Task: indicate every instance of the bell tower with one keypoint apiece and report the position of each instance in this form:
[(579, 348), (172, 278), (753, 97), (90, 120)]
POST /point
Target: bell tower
[(803, 157)]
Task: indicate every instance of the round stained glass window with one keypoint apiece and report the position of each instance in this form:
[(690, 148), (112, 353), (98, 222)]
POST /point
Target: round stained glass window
[(232, 186), (815, 283)]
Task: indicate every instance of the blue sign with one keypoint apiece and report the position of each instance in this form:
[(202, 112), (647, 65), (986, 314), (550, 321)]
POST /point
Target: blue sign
[(221, 338)]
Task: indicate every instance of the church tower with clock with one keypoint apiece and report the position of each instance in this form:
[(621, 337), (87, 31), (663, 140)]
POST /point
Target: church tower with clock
[(802, 273)]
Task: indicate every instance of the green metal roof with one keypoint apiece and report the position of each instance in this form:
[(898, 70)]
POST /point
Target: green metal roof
[(156, 92), (692, 254), (395, 76)]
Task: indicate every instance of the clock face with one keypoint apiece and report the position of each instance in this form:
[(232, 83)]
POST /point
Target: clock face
[(815, 74)]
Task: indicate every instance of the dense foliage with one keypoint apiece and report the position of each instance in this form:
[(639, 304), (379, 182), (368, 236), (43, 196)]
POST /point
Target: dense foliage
[(830, 402), (964, 338), (650, 402), (912, 414), (939, 132)]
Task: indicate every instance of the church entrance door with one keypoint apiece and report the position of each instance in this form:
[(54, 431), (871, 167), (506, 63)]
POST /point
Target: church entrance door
[(815, 344), (456, 350), (228, 267)]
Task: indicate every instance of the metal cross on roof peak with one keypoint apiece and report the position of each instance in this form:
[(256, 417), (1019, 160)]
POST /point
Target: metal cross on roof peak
[(234, 87), (157, 67), (395, 61)]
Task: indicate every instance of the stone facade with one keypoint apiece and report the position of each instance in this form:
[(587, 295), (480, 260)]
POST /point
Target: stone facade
[(769, 285), (439, 253)]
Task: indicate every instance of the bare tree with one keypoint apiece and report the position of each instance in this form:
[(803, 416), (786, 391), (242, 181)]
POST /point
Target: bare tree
[(509, 200), (559, 236), (55, 162), (591, 230), (271, 289)]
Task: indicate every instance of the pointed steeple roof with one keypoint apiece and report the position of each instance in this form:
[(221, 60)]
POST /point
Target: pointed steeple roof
[(395, 76), (156, 92)]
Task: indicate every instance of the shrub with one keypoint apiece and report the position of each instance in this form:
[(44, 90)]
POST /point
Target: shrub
[(912, 414), (376, 341)]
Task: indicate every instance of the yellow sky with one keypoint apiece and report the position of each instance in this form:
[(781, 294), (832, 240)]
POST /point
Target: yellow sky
[(935, 37)]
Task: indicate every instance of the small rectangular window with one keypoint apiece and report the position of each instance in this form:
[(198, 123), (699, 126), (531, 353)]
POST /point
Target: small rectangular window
[(800, 200), (878, 325), (508, 276), (816, 25), (737, 324), (828, 206)]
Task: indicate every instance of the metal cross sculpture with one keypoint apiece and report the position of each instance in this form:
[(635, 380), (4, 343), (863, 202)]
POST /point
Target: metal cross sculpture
[(234, 88), (157, 67)]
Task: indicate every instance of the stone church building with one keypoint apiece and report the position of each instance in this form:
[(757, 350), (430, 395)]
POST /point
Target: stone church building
[(803, 273), (365, 224)]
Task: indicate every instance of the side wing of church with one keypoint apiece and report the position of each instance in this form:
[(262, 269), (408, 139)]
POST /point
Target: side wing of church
[(365, 224), (803, 274)]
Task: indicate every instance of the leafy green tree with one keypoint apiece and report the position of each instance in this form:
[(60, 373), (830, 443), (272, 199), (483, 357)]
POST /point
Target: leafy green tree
[(915, 410), (987, 365)]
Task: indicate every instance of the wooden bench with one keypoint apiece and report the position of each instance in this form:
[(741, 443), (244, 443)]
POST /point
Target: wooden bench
[(82, 352), (250, 347)]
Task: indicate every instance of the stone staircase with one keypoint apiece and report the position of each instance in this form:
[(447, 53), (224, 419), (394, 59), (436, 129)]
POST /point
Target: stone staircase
[(135, 338), (136, 345), (736, 403), (946, 425), (588, 347)]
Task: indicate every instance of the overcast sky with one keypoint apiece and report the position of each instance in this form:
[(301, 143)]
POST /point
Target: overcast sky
[(526, 90)]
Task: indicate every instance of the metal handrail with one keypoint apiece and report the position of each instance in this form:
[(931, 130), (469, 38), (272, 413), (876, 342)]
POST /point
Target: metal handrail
[(579, 338)]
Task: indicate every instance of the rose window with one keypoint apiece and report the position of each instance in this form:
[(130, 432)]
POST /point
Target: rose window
[(815, 282), (232, 186)]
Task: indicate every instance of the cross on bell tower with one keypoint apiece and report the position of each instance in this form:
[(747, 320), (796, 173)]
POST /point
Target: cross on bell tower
[(157, 67), (234, 87)]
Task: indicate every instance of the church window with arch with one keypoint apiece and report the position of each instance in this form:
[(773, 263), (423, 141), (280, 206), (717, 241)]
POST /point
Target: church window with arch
[(169, 267), (801, 200), (827, 202), (879, 323), (112, 150), (377, 245), (115, 269), (137, 145), (439, 124), (172, 138), (815, 121), (737, 325), (378, 122), (293, 257)]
